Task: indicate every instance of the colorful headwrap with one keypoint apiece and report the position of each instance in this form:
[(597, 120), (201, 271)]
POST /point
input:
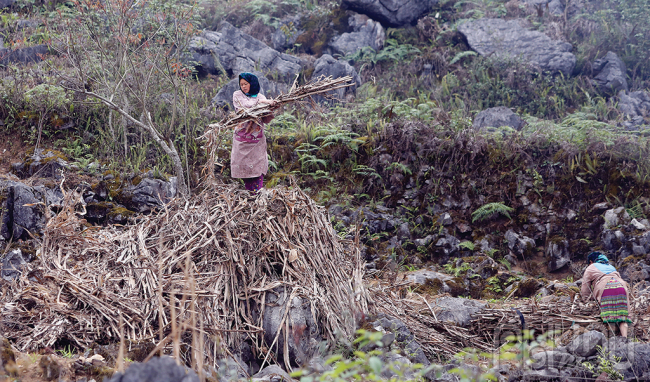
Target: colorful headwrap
[(598, 257), (255, 83)]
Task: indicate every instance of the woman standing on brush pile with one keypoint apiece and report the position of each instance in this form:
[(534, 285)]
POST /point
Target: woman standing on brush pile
[(602, 281), (248, 159)]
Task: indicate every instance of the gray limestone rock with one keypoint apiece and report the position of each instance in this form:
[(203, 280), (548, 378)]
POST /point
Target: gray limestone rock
[(272, 373), (42, 163), (149, 194), (158, 369), (232, 50), (586, 345), (302, 347), (365, 33), (552, 359), (6, 3), (404, 339), (288, 31), (497, 117), (392, 13), (13, 264), (558, 255), (22, 210), (423, 276), (519, 245), (610, 73), (636, 106), (615, 217), (457, 310), (501, 38), (327, 66)]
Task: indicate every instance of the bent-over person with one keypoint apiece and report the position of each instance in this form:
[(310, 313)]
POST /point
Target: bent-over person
[(604, 283)]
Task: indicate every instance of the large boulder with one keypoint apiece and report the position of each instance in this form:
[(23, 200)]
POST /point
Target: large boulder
[(634, 358), (457, 310), (235, 52), (507, 39), (269, 88), (302, 326), (329, 66), (365, 33), (636, 107), (28, 55), (392, 13), (23, 212), (6, 3), (149, 194), (610, 73), (497, 117), (586, 345)]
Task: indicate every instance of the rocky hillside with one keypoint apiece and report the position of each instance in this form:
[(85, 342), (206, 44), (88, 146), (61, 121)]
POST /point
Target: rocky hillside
[(484, 149)]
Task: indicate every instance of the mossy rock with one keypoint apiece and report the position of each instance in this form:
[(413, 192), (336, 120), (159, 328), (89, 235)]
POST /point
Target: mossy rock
[(457, 287), (432, 287), (528, 287), (8, 358), (101, 372), (119, 215)]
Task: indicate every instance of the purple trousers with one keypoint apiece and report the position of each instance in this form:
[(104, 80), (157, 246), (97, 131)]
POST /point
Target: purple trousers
[(254, 184)]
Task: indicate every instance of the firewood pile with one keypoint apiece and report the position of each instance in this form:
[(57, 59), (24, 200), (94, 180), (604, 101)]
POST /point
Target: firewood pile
[(491, 326), (200, 266)]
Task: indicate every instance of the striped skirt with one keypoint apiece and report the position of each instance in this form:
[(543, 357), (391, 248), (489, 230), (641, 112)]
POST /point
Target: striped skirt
[(613, 302)]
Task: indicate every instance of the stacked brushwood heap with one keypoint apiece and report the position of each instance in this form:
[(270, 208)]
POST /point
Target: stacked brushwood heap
[(202, 265), (498, 322)]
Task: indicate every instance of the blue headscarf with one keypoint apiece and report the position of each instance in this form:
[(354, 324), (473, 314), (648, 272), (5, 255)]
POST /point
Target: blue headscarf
[(601, 262), (255, 84)]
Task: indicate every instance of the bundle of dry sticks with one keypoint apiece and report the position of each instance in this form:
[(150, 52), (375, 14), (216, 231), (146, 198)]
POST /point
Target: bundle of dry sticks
[(491, 326), (214, 134)]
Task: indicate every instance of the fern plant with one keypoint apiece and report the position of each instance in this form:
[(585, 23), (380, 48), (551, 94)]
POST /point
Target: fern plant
[(489, 210)]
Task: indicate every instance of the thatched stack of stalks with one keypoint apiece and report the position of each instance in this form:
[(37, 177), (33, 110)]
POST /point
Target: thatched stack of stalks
[(491, 326), (202, 266)]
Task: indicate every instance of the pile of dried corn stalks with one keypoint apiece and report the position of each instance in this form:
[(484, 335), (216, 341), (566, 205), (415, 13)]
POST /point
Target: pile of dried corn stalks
[(491, 326), (215, 133), (208, 261)]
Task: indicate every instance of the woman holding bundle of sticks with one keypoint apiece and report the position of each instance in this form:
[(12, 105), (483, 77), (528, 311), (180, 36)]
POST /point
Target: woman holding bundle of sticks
[(248, 159), (603, 282)]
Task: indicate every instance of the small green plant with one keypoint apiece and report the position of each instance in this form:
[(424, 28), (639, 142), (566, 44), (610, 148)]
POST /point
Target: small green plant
[(490, 252), (467, 245), (506, 264), (67, 352), (604, 365), (457, 271), (494, 285), (489, 210)]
